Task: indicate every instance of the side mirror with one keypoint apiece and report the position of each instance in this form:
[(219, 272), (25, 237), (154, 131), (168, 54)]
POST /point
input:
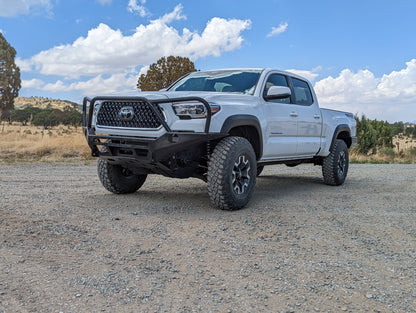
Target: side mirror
[(278, 92)]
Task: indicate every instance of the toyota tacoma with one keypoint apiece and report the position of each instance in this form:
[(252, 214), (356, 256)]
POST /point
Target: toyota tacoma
[(222, 126)]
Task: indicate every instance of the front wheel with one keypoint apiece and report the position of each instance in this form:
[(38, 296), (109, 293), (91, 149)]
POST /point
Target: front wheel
[(335, 165), (232, 173), (118, 179)]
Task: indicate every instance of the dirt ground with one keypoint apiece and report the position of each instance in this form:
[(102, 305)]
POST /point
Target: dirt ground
[(68, 245)]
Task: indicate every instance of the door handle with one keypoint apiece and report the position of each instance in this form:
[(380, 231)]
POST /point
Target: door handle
[(293, 114), (316, 116)]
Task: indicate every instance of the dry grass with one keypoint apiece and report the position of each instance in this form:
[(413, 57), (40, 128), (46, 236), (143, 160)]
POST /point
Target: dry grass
[(403, 143), (407, 158), (30, 144), (404, 151)]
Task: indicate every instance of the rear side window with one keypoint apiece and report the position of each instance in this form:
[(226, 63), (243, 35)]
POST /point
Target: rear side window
[(303, 95)]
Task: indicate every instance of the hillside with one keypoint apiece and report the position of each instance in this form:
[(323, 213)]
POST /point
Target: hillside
[(43, 103)]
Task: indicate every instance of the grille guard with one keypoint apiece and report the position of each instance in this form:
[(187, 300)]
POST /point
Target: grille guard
[(93, 139)]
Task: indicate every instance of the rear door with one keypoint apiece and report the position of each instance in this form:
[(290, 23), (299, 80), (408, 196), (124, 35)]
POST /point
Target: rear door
[(309, 118)]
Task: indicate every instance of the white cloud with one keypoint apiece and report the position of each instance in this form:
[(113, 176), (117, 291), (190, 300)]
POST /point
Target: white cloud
[(349, 87), (121, 83), (175, 15), (107, 51), (24, 65), (390, 97), (276, 31), (219, 35), (33, 83), (143, 70), (309, 75), (133, 7), (10, 8)]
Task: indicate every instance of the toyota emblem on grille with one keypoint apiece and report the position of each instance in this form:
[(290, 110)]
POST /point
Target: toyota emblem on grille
[(126, 113)]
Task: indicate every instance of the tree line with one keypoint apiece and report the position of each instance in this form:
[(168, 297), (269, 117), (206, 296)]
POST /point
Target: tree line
[(47, 117), (373, 135)]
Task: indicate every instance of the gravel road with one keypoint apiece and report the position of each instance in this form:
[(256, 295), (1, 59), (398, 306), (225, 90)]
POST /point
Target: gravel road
[(68, 245)]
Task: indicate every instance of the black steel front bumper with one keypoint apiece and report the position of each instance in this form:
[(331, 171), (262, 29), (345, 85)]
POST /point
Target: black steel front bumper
[(144, 150)]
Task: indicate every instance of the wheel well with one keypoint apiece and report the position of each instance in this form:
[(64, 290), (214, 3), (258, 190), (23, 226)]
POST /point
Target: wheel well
[(345, 136), (251, 134)]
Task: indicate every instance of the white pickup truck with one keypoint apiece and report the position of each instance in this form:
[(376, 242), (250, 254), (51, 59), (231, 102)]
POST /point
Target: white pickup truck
[(222, 126)]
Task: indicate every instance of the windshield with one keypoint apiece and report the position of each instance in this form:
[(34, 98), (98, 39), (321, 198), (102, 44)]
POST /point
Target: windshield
[(235, 81)]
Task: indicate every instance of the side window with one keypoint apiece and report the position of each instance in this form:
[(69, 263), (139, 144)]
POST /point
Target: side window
[(277, 80), (303, 95)]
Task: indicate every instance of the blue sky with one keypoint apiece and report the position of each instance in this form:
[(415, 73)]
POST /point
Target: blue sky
[(360, 55)]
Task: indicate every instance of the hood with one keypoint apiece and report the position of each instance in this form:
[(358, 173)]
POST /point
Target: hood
[(215, 97), (153, 95)]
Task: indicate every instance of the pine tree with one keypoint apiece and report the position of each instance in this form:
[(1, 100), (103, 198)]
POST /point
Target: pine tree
[(366, 135), (9, 77), (165, 72)]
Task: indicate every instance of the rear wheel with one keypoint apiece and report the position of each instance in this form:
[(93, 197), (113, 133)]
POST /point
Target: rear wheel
[(232, 173), (118, 179), (335, 165)]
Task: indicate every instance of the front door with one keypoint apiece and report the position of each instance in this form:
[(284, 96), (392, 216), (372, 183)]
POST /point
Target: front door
[(281, 121)]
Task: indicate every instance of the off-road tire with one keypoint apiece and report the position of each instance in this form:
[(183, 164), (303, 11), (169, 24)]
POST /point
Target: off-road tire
[(232, 172), (117, 179), (335, 165)]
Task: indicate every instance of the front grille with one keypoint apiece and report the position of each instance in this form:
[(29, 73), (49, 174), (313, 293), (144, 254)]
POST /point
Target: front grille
[(143, 117)]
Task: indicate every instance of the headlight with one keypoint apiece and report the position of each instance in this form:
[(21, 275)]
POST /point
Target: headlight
[(97, 106), (193, 110)]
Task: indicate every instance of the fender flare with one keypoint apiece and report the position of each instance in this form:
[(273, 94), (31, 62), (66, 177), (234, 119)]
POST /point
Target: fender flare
[(339, 129), (244, 120)]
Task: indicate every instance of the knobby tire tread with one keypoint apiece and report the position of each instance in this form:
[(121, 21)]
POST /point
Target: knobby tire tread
[(218, 172), (329, 167), (110, 178)]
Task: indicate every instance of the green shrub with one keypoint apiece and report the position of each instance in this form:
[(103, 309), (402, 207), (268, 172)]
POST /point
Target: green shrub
[(412, 151), (387, 151)]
